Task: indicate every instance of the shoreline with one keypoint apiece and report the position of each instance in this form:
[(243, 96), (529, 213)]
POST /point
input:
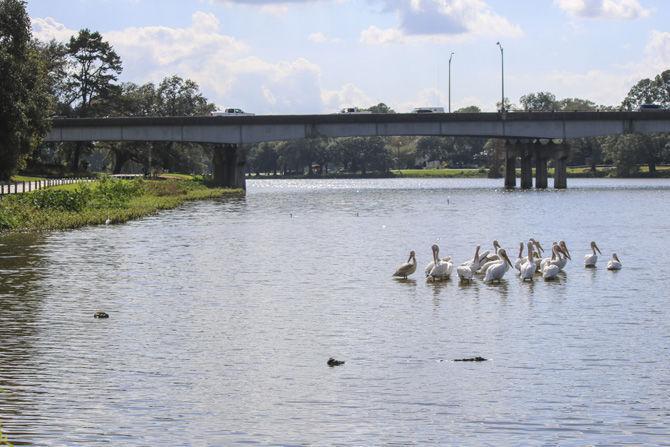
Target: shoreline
[(104, 201)]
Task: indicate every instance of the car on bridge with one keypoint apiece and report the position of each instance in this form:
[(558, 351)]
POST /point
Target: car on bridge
[(353, 110), (232, 112), (428, 110)]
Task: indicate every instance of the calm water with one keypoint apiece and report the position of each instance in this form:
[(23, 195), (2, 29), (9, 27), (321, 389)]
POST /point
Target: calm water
[(223, 315)]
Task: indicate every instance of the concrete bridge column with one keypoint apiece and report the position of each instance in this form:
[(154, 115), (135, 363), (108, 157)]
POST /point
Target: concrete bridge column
[(561, 166), (229, 162), (540, 166), (526, 165), (510, 165)]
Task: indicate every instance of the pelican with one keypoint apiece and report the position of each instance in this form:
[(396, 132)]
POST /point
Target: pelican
[(408, 267), (614, 263), (538, 254), (561, 257), (440, 269), (467, 269), (519, 259), (591, 259), (493, 256), (496, 271), (527, 269), (550, 269)]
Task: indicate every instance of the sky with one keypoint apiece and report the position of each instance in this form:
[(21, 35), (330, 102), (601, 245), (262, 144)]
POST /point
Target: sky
[(318, 56)]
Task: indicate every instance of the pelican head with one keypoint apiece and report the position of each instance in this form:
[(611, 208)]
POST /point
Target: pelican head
[(496, 245), (564, 249), (594, 247), (412, 255), (503, 255), (616, 258), (436, 252), (530, 250), (537, 245)]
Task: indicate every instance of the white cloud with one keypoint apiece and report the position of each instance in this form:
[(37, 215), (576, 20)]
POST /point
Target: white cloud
[(220, 64), (440, 21), (347, 96), (320, 37), (49, 29), (657, 52), (603, 9)]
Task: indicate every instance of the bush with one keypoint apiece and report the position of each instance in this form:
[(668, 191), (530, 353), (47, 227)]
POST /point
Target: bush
[(56, 199), (112, 193)]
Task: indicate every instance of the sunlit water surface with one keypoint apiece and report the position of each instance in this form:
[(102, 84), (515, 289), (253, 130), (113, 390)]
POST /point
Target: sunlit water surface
[(224, 313)]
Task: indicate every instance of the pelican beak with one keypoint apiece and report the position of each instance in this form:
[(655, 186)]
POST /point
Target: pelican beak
[(566, 252), (508, 261), (596, 245), (539, 247)]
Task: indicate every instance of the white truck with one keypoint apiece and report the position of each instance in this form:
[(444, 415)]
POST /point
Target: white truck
[(232, 112)]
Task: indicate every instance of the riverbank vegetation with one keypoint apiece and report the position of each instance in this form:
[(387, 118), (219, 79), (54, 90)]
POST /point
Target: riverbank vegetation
[(80, 78), (116, 201)]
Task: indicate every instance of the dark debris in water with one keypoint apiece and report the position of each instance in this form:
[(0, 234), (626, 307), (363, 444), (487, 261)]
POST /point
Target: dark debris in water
[(101, 315), (332, 362), (471, 359)]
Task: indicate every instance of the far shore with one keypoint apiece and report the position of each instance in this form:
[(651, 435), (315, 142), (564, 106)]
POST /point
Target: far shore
[(573, 172)]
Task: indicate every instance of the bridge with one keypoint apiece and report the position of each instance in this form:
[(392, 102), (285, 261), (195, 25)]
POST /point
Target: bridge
[(522, 132)]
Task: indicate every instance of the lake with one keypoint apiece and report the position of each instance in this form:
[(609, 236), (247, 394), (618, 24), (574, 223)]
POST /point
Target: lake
[(224, 313)]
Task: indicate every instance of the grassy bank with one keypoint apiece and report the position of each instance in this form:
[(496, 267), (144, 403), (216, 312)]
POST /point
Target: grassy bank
[(78, 205)]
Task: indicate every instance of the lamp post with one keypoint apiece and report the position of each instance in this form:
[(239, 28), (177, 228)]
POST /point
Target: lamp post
[(450, 56), (502, 72)]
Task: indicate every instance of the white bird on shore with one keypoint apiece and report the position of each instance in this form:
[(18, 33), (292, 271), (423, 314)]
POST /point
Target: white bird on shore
[(108, 221), (614, 263), (467, 270), (496, 271), (408, 267), (527, 269), (591, 258), (441, 269)]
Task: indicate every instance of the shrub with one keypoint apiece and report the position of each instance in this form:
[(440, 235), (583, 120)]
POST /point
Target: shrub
[(112, 193), (56, 199)]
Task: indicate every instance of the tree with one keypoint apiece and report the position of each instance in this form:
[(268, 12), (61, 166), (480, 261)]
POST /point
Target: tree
[(94, 69), (539, 102), (381, 108), (469, 109), (25, 102), (576, 105), (624, 152)]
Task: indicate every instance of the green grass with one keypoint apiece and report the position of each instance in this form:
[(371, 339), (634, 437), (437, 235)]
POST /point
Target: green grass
[(78, 205), (442, 173), (23, 178)]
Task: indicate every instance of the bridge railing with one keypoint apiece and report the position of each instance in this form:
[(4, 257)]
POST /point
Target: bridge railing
[(28, 186)]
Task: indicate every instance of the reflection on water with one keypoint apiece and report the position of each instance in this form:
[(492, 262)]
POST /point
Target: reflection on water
[(223, 314)]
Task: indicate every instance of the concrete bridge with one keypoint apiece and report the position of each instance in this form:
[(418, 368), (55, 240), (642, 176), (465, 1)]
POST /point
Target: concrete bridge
[(521, 130)]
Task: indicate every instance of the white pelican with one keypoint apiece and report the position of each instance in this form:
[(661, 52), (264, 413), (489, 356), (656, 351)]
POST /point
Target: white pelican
[(431, 264), (561, 257), (408, 267), (527, 269), (496, 271), (441, 269), (538, 254), (614, 263), (550, 269), (467, 269), (519, 259), (493, 256), (591, 259)]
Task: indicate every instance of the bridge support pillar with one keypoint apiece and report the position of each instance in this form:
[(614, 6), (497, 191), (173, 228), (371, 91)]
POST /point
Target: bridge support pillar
[(526, 166), (510, 165), (561, 166), (229, 162), (540, 167)]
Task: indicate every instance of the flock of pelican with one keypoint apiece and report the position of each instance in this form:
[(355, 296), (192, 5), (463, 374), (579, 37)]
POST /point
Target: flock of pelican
[(494, 264)]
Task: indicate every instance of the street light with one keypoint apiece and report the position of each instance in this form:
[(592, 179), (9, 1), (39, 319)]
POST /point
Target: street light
[(502, 72), (450, 56)]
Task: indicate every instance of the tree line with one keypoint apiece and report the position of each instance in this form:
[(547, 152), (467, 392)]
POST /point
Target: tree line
[(80, 78)]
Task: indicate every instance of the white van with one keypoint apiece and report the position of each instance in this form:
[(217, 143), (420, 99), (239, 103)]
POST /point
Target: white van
[(232, 112), (428, 110)]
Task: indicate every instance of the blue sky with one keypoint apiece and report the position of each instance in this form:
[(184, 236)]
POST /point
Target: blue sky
[(314, 56)]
